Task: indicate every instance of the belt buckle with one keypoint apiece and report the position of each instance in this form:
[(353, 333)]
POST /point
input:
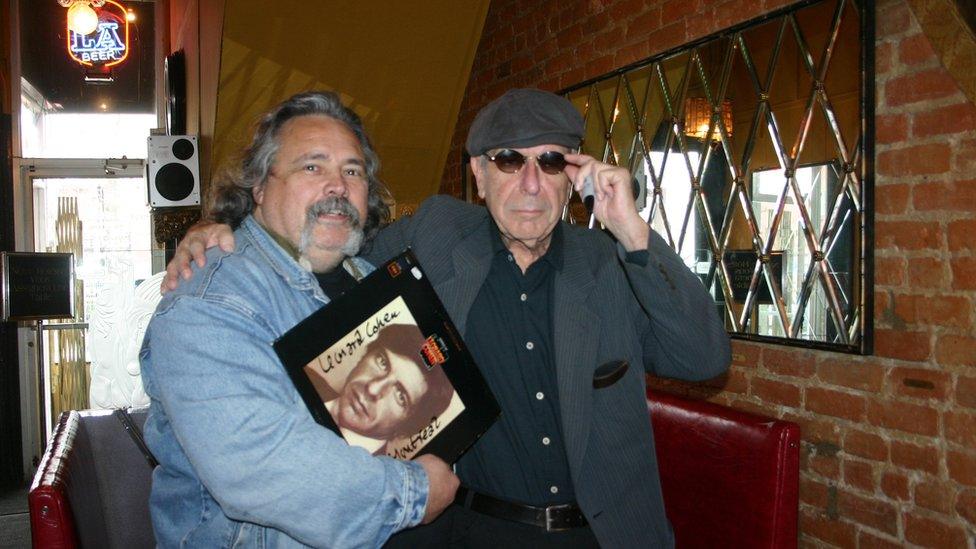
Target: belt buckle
[(551, 525)]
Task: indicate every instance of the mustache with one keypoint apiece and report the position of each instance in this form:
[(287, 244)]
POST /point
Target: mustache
[(333, 205)]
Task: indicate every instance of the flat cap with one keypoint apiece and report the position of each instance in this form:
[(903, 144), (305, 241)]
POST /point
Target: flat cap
[(525, 118)]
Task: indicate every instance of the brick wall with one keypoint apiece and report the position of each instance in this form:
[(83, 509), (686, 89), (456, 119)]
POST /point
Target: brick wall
[(889, 451)]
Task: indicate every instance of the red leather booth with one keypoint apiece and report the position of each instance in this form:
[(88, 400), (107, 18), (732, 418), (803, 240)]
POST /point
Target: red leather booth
[(730, 478), (91, 488)]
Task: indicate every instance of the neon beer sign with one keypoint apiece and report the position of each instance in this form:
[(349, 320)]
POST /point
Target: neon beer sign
[(108, 44)]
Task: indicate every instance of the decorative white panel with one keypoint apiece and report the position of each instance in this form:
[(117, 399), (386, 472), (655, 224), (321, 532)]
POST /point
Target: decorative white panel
[(116, 336)]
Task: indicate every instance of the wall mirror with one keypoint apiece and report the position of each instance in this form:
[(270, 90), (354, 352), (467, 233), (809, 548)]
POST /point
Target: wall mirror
[(751, 154)]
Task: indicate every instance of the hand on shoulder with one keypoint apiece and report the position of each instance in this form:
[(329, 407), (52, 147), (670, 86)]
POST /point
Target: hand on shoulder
[(193, 248)]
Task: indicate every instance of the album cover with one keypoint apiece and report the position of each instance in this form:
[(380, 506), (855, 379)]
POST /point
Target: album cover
[(384, 367)]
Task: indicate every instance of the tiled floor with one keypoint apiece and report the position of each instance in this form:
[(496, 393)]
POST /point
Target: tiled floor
[(14, 522)]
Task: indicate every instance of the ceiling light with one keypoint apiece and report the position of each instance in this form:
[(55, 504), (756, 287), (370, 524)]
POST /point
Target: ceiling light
[(82, 19)]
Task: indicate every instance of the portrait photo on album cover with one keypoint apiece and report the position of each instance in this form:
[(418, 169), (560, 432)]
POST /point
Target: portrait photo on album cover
[(383, 385)]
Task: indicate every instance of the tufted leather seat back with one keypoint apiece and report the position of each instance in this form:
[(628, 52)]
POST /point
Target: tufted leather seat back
[(730, 478), (92, 486)]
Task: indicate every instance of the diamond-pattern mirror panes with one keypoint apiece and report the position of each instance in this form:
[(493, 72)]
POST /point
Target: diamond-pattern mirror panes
[(747, 156)]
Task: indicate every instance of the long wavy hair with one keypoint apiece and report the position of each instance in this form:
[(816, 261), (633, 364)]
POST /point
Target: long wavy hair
[(232, 198)]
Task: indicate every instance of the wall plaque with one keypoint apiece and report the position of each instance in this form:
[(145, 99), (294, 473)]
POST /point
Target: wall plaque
[(37, 286)]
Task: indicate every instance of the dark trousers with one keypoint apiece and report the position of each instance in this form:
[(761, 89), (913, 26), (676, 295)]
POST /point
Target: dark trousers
[(460, 527)]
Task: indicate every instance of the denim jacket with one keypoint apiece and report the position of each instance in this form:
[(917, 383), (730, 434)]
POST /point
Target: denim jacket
[(241, 461)]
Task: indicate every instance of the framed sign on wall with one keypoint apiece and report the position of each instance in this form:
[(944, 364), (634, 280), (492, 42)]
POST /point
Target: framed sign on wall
[(37, 286)]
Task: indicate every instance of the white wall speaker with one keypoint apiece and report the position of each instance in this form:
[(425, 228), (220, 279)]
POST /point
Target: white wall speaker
[(173, 171)]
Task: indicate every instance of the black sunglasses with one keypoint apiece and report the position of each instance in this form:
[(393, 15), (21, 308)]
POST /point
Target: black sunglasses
[(509, 161)]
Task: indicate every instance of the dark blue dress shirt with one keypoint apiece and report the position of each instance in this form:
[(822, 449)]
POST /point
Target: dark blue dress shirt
[(522, 457)]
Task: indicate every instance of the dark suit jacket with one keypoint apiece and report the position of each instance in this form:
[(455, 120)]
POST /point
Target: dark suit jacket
[(660, 317)]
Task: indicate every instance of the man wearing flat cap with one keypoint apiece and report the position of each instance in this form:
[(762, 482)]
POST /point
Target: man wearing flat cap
[(563, 322)]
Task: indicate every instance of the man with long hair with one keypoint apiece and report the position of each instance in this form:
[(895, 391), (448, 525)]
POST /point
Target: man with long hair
[(241, 461)]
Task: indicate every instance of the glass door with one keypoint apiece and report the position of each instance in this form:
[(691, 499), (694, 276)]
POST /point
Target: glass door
[(99, 213)]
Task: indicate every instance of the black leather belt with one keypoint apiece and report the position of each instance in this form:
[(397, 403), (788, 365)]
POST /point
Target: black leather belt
[(552, 518)]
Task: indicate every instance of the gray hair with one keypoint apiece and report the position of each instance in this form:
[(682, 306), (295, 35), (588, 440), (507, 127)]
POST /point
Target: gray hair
[(233, 198)]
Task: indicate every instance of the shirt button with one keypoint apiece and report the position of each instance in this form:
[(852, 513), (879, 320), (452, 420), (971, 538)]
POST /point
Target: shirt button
[(539, 396), (523, 297), (530, 345), (546, 441), (510, 257), (554, 489)]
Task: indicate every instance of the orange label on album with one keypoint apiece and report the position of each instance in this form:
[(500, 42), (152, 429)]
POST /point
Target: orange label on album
[(433, 351)]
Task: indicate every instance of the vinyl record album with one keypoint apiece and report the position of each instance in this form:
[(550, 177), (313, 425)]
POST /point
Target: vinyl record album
[(384, 367)]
